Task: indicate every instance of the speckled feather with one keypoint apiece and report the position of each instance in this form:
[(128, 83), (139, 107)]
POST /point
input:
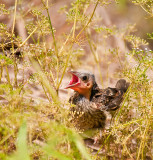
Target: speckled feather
[(86, 115), (110, 98), (93, 114)]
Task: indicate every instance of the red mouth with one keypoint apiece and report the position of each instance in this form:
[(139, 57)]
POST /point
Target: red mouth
[(74, 82)]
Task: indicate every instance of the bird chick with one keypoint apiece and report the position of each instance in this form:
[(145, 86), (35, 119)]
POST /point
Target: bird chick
[(93, 103)]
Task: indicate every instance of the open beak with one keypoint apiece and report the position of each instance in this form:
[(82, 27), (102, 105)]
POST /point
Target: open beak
[(75, 81)]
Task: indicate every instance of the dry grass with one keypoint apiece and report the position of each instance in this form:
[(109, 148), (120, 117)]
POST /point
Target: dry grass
[(34, 121)]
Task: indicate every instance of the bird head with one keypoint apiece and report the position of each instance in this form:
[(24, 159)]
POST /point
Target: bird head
[(82, 82)]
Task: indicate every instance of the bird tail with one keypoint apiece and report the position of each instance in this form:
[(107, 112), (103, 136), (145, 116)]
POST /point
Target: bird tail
[(122, 85)]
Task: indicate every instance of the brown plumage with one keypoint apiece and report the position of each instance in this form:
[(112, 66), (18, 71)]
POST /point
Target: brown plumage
[(92, 103), (110, 98)]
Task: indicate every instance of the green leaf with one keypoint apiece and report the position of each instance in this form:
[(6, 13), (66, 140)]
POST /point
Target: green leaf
[(79, 144), (22, 149), (51, 151)]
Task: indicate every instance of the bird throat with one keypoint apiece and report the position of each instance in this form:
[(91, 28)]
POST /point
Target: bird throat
[(85, 92)]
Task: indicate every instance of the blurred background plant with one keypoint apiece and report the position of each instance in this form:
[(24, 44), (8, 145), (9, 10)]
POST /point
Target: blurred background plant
[(39, 42)]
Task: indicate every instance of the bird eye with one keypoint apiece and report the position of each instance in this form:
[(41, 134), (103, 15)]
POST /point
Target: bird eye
[(84, 78)]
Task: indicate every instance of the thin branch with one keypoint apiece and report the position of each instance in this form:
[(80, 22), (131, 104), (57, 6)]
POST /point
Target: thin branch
[(96, 59), (54, 41), (43, 79), (88, 21), (14, 17), (146, 11), (68, 56), (74, 25), (15, 63)]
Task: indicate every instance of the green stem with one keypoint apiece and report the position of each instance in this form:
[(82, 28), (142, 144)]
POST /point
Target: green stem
[(74, 25), (95, 157), (54, 41), (43, 79), (68, 56), (88, 21), (1, 73), (15, 71), (65, 67), (13, 51), (143, 140), (67, 60), (96, 59), (45, 92), (146, 11), (8, 77), (51, 74), (15, 6)]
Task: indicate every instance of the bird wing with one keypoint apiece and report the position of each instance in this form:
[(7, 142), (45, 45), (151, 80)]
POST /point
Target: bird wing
[(108, 99)]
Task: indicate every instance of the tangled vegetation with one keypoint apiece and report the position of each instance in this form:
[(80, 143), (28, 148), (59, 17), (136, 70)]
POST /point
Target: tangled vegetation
[(35, 128)]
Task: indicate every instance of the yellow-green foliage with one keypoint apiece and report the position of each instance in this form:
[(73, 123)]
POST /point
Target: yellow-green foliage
[(40, 129)]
